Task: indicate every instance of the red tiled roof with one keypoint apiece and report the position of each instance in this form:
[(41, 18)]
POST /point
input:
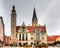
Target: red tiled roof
[(32, 28), (52, 38)]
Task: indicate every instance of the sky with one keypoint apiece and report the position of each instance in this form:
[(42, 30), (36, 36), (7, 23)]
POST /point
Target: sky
[(48, 12)]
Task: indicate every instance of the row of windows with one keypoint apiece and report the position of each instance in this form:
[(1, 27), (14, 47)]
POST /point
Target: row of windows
[(23, 37), (26, 43), (38, 38)]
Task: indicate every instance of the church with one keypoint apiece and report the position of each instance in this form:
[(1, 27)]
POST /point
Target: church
[(27, 35)]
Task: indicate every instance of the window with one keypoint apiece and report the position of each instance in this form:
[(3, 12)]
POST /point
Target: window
[(19, 36), (37, 43), (23, 28), (31, 43), (26, 43), (37, 38), (37, 32), (31, 38), (26, 36), (42, 33), (23, 36), (42, 38), (19, 43)]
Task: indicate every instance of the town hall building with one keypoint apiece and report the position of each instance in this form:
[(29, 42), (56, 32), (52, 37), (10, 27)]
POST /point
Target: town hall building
[(34, 34)]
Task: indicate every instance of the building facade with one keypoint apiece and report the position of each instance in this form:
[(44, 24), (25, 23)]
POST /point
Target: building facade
[(1, 29), (2, 32), (28, 35)]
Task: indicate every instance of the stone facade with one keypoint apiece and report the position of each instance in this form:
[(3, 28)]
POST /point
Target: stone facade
[(13, 25)]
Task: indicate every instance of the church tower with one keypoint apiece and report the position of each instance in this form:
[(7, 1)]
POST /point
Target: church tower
[(34, 19), (13, 23)]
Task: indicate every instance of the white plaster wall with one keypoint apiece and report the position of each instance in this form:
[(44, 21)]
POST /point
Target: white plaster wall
[(45, 37)]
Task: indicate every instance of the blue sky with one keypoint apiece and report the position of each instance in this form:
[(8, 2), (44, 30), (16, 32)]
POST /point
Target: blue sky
[(48, 12)]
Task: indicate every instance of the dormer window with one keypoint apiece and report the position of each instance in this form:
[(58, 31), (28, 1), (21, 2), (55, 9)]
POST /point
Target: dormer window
[(23, 28)]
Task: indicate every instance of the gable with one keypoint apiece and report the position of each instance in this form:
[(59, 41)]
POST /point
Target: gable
[(32, 28)]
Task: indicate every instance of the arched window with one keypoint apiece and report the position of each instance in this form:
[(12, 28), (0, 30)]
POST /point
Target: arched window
[(26, 43), (23, 36), (19, 43), (26, 37), (19, 36)]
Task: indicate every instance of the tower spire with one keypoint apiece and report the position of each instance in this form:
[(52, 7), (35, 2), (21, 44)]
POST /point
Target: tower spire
[(34, 19), (34, 14)]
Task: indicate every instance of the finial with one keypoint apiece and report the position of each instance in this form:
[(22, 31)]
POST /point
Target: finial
[(13, 8)]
